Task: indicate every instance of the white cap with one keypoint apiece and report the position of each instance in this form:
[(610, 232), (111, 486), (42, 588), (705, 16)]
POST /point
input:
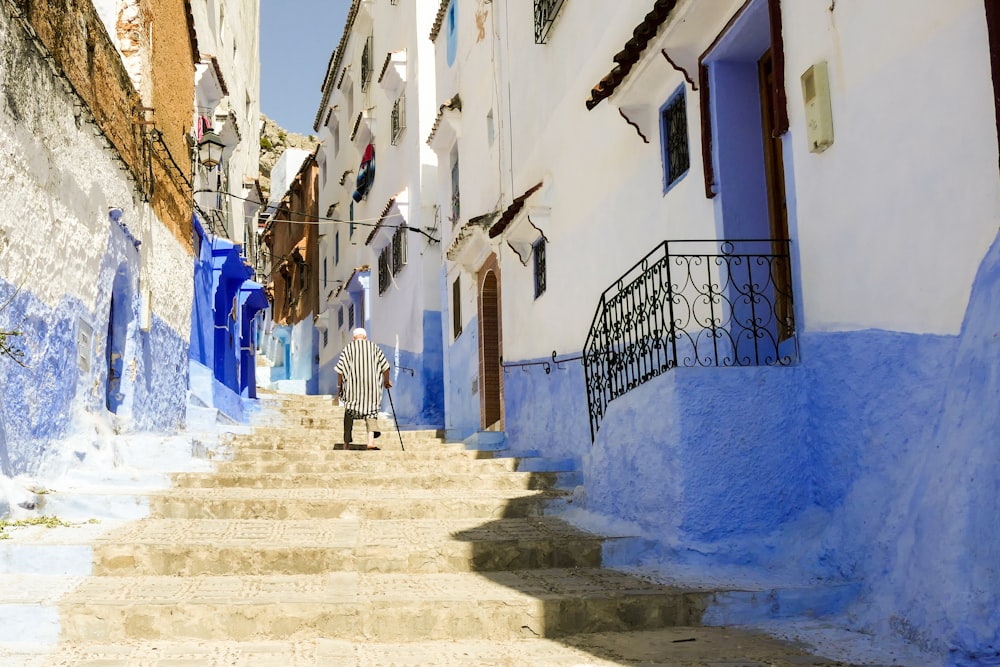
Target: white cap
[(359, 332)]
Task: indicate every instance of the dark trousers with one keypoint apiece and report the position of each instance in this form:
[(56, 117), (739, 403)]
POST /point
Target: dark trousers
[(349, 417)]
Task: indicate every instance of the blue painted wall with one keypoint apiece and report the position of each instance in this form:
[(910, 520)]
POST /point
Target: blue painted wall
[(461, 404), (873, 461), (419, 398), (547, 412), (41, 401)]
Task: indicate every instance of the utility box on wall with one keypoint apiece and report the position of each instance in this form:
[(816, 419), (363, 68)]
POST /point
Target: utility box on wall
[(819, 115)]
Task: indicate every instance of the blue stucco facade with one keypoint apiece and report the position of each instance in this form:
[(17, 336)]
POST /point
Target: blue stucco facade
[(69, 349), (461, 402), (223, 321), (418, 393), (869, 466)]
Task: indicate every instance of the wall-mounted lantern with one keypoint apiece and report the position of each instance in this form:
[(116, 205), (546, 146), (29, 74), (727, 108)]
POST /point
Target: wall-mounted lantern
[(210, 149)]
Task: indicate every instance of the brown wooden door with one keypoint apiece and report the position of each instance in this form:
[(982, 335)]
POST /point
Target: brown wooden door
[(774, 167), (490, 347)]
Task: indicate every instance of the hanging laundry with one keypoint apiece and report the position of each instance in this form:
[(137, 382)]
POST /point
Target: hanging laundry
[(366, 174)]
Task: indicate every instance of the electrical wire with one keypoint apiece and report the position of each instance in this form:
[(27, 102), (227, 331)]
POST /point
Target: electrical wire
[(323, 220)]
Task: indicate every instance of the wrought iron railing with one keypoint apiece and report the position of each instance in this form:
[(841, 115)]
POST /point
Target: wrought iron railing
[(690, 303), (545, 15)]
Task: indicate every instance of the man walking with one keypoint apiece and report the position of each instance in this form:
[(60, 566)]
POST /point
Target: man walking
[(359, 385)]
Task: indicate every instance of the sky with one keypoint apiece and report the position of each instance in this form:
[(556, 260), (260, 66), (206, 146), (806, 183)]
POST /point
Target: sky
[(296, 40)]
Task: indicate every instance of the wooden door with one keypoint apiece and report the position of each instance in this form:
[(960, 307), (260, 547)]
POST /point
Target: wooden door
[(490, 348)]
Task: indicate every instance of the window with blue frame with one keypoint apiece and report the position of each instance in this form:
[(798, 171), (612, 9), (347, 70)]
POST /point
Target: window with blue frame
[(674, 139), (538, 253), (451, 34)]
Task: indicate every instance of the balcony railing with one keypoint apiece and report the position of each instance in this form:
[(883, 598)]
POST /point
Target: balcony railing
[(545, 15), (690, 304)]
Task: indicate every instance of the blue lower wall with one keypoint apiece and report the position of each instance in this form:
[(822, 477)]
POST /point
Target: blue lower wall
[(418, 394), (41, 401), (547, 412), (461, 403), (874, 461)]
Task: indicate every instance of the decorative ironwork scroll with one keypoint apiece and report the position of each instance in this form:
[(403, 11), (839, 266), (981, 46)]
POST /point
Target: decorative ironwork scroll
[(689, 304), (545, 15)]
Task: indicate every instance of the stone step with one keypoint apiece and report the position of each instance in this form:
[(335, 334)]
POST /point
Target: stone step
[(330, 462), (385, 458), (243, 503), (377, 607), (259, 547), (677, 646), (319, 438), (369, 480)]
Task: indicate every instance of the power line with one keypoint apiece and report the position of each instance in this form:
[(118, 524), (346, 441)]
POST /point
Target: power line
[(322, 220)]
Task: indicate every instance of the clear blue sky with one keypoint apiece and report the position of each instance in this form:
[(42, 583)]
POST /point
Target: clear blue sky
[(296, 40)]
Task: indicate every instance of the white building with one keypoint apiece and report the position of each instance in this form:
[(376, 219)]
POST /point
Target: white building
[(380, 263), (806, 402)]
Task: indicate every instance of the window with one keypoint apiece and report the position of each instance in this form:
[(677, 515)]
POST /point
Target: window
[(452, 32), (326, 337), (350, 315), (336, 253), (545, 15), (367, 67), (340, 317), (351, 218), (335, 131), (674, 139), (398, 119), (539, 254), (399, 249), (384, 277), (455, 196), (325, 274), (456, 307)]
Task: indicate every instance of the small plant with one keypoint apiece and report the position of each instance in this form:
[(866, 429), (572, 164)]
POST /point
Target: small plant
[(266, 144), (47, 521)]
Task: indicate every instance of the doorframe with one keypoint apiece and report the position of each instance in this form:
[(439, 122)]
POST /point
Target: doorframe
[(490, 266)]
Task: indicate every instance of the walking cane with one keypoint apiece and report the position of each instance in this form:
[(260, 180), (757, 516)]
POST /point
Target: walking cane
[(395, 421)]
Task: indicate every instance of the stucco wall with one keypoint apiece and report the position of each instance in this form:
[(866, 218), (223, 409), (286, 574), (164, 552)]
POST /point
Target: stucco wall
[(61, 253)]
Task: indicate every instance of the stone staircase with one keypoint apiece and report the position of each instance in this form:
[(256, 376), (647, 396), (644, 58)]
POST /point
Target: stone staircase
[(291, 553)]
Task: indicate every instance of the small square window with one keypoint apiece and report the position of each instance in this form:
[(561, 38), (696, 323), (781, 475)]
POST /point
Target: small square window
[(674, 139)]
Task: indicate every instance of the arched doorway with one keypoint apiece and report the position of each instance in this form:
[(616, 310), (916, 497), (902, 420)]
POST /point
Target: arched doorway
[(118, 320), (490, 348)]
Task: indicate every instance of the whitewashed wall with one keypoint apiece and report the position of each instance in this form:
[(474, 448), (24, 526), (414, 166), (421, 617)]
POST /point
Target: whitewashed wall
[(60, 253)]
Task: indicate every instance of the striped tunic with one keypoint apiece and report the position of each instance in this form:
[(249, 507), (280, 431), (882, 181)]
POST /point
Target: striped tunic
[(362, 364)]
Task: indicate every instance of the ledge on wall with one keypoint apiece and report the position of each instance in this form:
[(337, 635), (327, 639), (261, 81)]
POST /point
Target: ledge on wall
[(471, 245), (393, 76)]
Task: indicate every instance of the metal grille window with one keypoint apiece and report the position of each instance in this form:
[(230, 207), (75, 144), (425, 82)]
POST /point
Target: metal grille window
[(456, 307), (340, 317), (350, 315), (398, 119), (674, 139), (539, 255), (367, 66), (455, 197), (384, 276), (399, 249), (326, 337), (545, 16)]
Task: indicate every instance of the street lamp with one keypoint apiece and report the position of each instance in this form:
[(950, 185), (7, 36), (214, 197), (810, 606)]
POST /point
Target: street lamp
[(210, 149)]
